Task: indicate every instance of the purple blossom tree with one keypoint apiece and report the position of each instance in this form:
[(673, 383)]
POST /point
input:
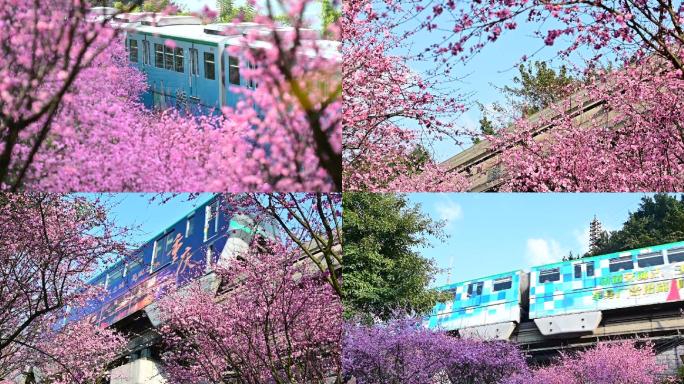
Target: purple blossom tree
[(403, 351), (606, 363)]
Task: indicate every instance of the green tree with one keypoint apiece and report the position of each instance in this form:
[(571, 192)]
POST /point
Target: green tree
[(659, 219), (418, 158), (486, 127), (538, 86), (330, 13), (155, 5), (227, 11), (383, 272)]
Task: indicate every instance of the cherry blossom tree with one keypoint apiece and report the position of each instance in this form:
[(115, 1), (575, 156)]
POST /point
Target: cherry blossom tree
[(275, 320), (79, 352), (605, 363), (49, 246), (635, 143), (628, 30), (70, 116), (294, 114), (389, 110), (402, 351)]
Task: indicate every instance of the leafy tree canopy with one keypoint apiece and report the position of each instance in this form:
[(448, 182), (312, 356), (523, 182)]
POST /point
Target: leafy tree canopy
[(659, 219), (538, 86), (383, 272)]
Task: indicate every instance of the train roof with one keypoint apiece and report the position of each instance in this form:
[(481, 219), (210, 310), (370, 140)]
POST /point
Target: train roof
[(654, 248), (193, 33), (490, 277), (192, 29)]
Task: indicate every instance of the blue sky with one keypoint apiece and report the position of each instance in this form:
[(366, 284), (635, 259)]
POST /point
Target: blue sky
[(500, 232)]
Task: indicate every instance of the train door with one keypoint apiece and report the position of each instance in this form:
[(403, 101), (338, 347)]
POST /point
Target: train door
[(584, 271), (193, 73), (231, 77), (474, 293)]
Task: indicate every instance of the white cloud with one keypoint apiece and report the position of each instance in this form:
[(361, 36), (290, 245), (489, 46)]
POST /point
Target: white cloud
[(582, 237), (543, 251), (448, 210)]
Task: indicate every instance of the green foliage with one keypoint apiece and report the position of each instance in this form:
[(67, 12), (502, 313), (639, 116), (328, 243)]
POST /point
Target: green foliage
[(418, 158), (155, 5), (229, 12), (539, 87), (680, 374), (383, 272), (659, 219), (330, 13), (486, 127)]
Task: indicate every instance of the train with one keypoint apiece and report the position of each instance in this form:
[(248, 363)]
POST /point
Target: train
[(563, 298), (187, 63), (183, 252)]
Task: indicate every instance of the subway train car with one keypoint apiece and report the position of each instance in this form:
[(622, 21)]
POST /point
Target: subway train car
[(563, 298), (182, 252), (569, 297), (188, 64), (489, 307)]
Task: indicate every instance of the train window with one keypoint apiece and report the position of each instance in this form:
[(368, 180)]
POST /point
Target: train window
[(146, 52), (549, 275), (578, 271), (502, 284), (209, 69), (233, 70), (650, 260), (194, 69), (179, 60), (168, 58), (590, 268), (475, 289), (211, 220), (159, 56), (675, 255), (133, 53), (133, 268), (623, 263), (189, 225), (115, 279), (163, 247)]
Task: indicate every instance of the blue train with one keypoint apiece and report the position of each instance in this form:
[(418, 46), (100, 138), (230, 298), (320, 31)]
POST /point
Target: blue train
[(195, 72), (182, 252), (567, 297)]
